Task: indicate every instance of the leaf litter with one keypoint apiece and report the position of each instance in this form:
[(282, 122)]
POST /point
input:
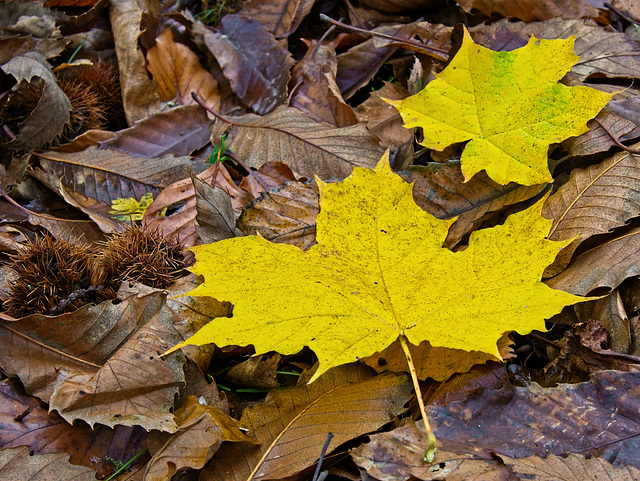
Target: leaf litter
[(286, 94)]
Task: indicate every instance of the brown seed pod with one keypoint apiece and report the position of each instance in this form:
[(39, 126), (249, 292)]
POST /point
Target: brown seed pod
[(139, 254), (52, 277)]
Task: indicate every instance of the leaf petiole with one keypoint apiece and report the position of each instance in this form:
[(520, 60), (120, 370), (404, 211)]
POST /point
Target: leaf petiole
[(431, 438)]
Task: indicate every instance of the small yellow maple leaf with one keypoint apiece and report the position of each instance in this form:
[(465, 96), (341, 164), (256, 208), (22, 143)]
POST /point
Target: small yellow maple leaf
[(128, 208), (508, 104), (379, 271)]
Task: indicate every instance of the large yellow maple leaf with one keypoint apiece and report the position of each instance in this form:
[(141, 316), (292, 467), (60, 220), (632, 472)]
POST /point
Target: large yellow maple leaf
[(378, 272), (508, 104)]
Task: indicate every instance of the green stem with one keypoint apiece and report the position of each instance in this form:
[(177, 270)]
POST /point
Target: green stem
[(124, 467)]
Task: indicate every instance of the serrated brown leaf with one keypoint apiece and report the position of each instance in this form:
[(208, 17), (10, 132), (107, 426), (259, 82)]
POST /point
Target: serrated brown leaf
[(51, 114), (256, 65), (595, 200), (179, 74), (106, 175), (81, 362), (179, 131), (292, 424), (605, 265), (287, 215), (307, 147), (574, 467), (18, 465), (45, 432)]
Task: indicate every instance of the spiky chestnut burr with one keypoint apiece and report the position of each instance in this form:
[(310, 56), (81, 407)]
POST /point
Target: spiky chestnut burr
[(139, 254), (52, 277)]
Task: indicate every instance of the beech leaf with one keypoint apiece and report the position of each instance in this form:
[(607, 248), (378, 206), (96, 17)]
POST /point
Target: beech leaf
[(508, 104), (376, 274)]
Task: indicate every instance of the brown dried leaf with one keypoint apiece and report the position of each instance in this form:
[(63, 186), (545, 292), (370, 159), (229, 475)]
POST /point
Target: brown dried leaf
[(287, 215), (201, 431), (597, 417), (595, 200), (605, 265), (106, 175), (281, 17), (18, 465), (52, 112), (292, 424), (397, 456), (307, 147), (610, 312), (81, 362), (178, 72), (179, 131), (529, 10), (140, 96), (271, 176), (314, 88), (215, 215), (257, 371), (45, 432), (582, 354), (183, 221), (256, 65), (574, 467)]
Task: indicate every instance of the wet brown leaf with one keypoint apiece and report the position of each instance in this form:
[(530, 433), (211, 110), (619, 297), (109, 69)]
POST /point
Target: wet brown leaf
[(18, 465), (610, 312), (178, 73), (397, 456), (573, 467), (292, 424), (307, 147), (52, 112), (595, 417), (179, 131), (256, 65)]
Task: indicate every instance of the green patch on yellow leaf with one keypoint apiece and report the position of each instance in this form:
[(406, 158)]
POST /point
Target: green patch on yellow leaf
[(379, 271), (508, 104)]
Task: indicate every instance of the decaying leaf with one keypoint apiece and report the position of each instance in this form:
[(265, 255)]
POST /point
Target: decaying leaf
[(508, 104), (17, 464), (52, 112), (373, 243)]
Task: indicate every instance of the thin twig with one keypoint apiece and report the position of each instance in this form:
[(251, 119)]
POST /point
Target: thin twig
[(434, 52), (322, 453), (537, 336), (616, 141)]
